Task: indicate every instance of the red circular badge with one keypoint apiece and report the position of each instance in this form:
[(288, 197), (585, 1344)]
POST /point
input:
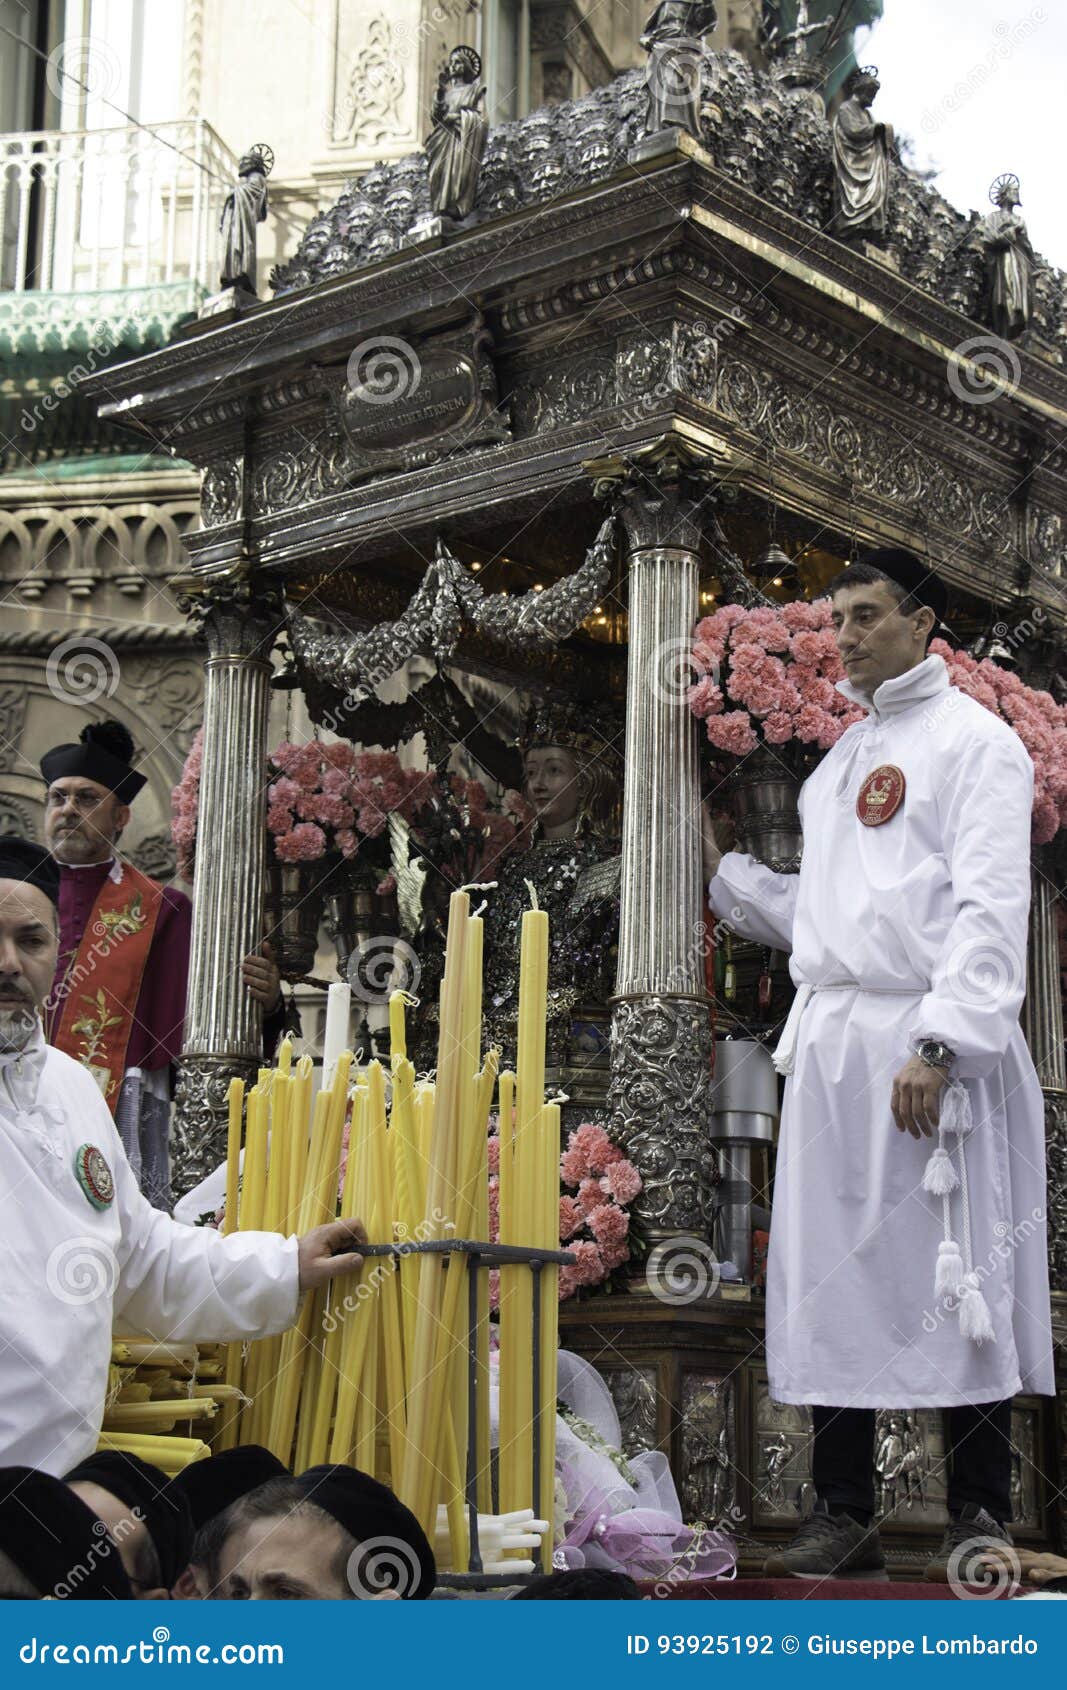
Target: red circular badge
[(881, 795)]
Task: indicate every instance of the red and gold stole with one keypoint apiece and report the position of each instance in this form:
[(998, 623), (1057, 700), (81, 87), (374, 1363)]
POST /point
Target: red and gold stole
[(91, 1011)]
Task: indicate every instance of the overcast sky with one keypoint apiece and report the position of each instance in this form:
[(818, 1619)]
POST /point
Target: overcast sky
[(981, 87)]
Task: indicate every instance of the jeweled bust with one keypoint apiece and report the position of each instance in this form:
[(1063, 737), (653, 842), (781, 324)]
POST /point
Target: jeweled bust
[(571, 780)]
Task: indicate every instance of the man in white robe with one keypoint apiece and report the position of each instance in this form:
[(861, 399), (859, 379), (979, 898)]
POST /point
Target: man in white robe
[(905, 1270), (80, 1246)]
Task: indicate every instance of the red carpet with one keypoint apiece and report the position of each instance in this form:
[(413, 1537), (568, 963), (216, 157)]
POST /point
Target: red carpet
[(798, 1590)]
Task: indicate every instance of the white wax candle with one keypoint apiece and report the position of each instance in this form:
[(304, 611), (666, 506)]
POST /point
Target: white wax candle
[(336, 1039)]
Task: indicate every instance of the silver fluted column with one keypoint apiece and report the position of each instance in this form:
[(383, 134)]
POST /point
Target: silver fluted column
[(660, 1094), (223, 1025), (1043, 1009)]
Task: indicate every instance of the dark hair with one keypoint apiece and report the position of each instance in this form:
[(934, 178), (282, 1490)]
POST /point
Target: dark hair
[(281, 1498), (208, 1543), (867, 575), (583, 1584)]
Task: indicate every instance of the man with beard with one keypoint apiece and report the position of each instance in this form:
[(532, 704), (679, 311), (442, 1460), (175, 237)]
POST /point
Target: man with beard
[(81, 1247), (117, 1003)]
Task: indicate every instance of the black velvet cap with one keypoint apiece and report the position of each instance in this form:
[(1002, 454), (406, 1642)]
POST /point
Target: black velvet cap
[(139, 1485), (55, 1541), (396, 1553), (210, 1486), (103, 753), (21, 859)]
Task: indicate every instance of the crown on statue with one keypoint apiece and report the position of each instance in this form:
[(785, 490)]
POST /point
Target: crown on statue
[(566, 722)]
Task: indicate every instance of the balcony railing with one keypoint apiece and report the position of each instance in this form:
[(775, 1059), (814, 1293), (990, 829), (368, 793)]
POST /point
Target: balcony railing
[(112, 208)]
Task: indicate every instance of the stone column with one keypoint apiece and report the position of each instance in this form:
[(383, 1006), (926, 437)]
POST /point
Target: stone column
[(223, 1024), (660, 1092), (1043, 1009)]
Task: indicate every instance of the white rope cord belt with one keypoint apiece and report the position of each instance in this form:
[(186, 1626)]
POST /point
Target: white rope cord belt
[(954, 1275)]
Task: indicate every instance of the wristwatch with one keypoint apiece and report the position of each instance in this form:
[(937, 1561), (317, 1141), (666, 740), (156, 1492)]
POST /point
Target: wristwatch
[(935, 1054)]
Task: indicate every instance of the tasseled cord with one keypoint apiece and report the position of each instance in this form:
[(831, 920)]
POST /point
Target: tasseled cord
[(954, 1275)]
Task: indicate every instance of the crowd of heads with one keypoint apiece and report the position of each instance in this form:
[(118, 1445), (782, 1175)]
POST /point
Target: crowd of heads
[(234, 1527)]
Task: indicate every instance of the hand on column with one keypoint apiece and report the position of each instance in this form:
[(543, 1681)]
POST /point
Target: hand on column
[(260, 975)]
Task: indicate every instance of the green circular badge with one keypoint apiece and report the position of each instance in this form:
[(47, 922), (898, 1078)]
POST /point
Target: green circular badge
[(94, 1176)]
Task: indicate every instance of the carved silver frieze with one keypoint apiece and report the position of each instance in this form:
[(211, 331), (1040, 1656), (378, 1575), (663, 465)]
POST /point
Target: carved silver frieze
[(660, 1100), (635, 1393), (709, 1449)]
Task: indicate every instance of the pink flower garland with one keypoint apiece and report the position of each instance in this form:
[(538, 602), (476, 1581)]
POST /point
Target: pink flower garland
[(779, 664), (1038, 720), (593, 1217)]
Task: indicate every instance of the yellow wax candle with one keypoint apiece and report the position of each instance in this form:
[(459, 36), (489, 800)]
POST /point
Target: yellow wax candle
[(398, 1045), (549, 1184), (235, 1101)]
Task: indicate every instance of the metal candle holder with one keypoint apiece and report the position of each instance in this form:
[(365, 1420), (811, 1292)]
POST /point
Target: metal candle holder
[(484, 1256)]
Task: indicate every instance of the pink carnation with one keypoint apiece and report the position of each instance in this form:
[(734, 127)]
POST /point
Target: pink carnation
[(622, 1181), (571, 1219), (589, 1268), (777, 727), (732, 732), (494, 1154), (573, 1166), (705, 698), (609, 1224), (590, 1195), (305, 843), (592, 1140)]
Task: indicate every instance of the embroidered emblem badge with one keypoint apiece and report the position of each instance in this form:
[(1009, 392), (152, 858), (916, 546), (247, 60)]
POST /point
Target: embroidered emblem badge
[(94, 1176), (881, 795)]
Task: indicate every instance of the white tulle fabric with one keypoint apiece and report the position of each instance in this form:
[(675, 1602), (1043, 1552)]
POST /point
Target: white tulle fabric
[(603, 1521)]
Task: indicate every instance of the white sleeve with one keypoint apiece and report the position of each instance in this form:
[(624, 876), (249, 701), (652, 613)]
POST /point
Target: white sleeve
[(979, 978), (754, 901), (182, 1283)]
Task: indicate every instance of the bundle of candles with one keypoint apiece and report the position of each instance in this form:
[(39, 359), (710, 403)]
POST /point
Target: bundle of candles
[(162, 1400), (389, 1369)]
